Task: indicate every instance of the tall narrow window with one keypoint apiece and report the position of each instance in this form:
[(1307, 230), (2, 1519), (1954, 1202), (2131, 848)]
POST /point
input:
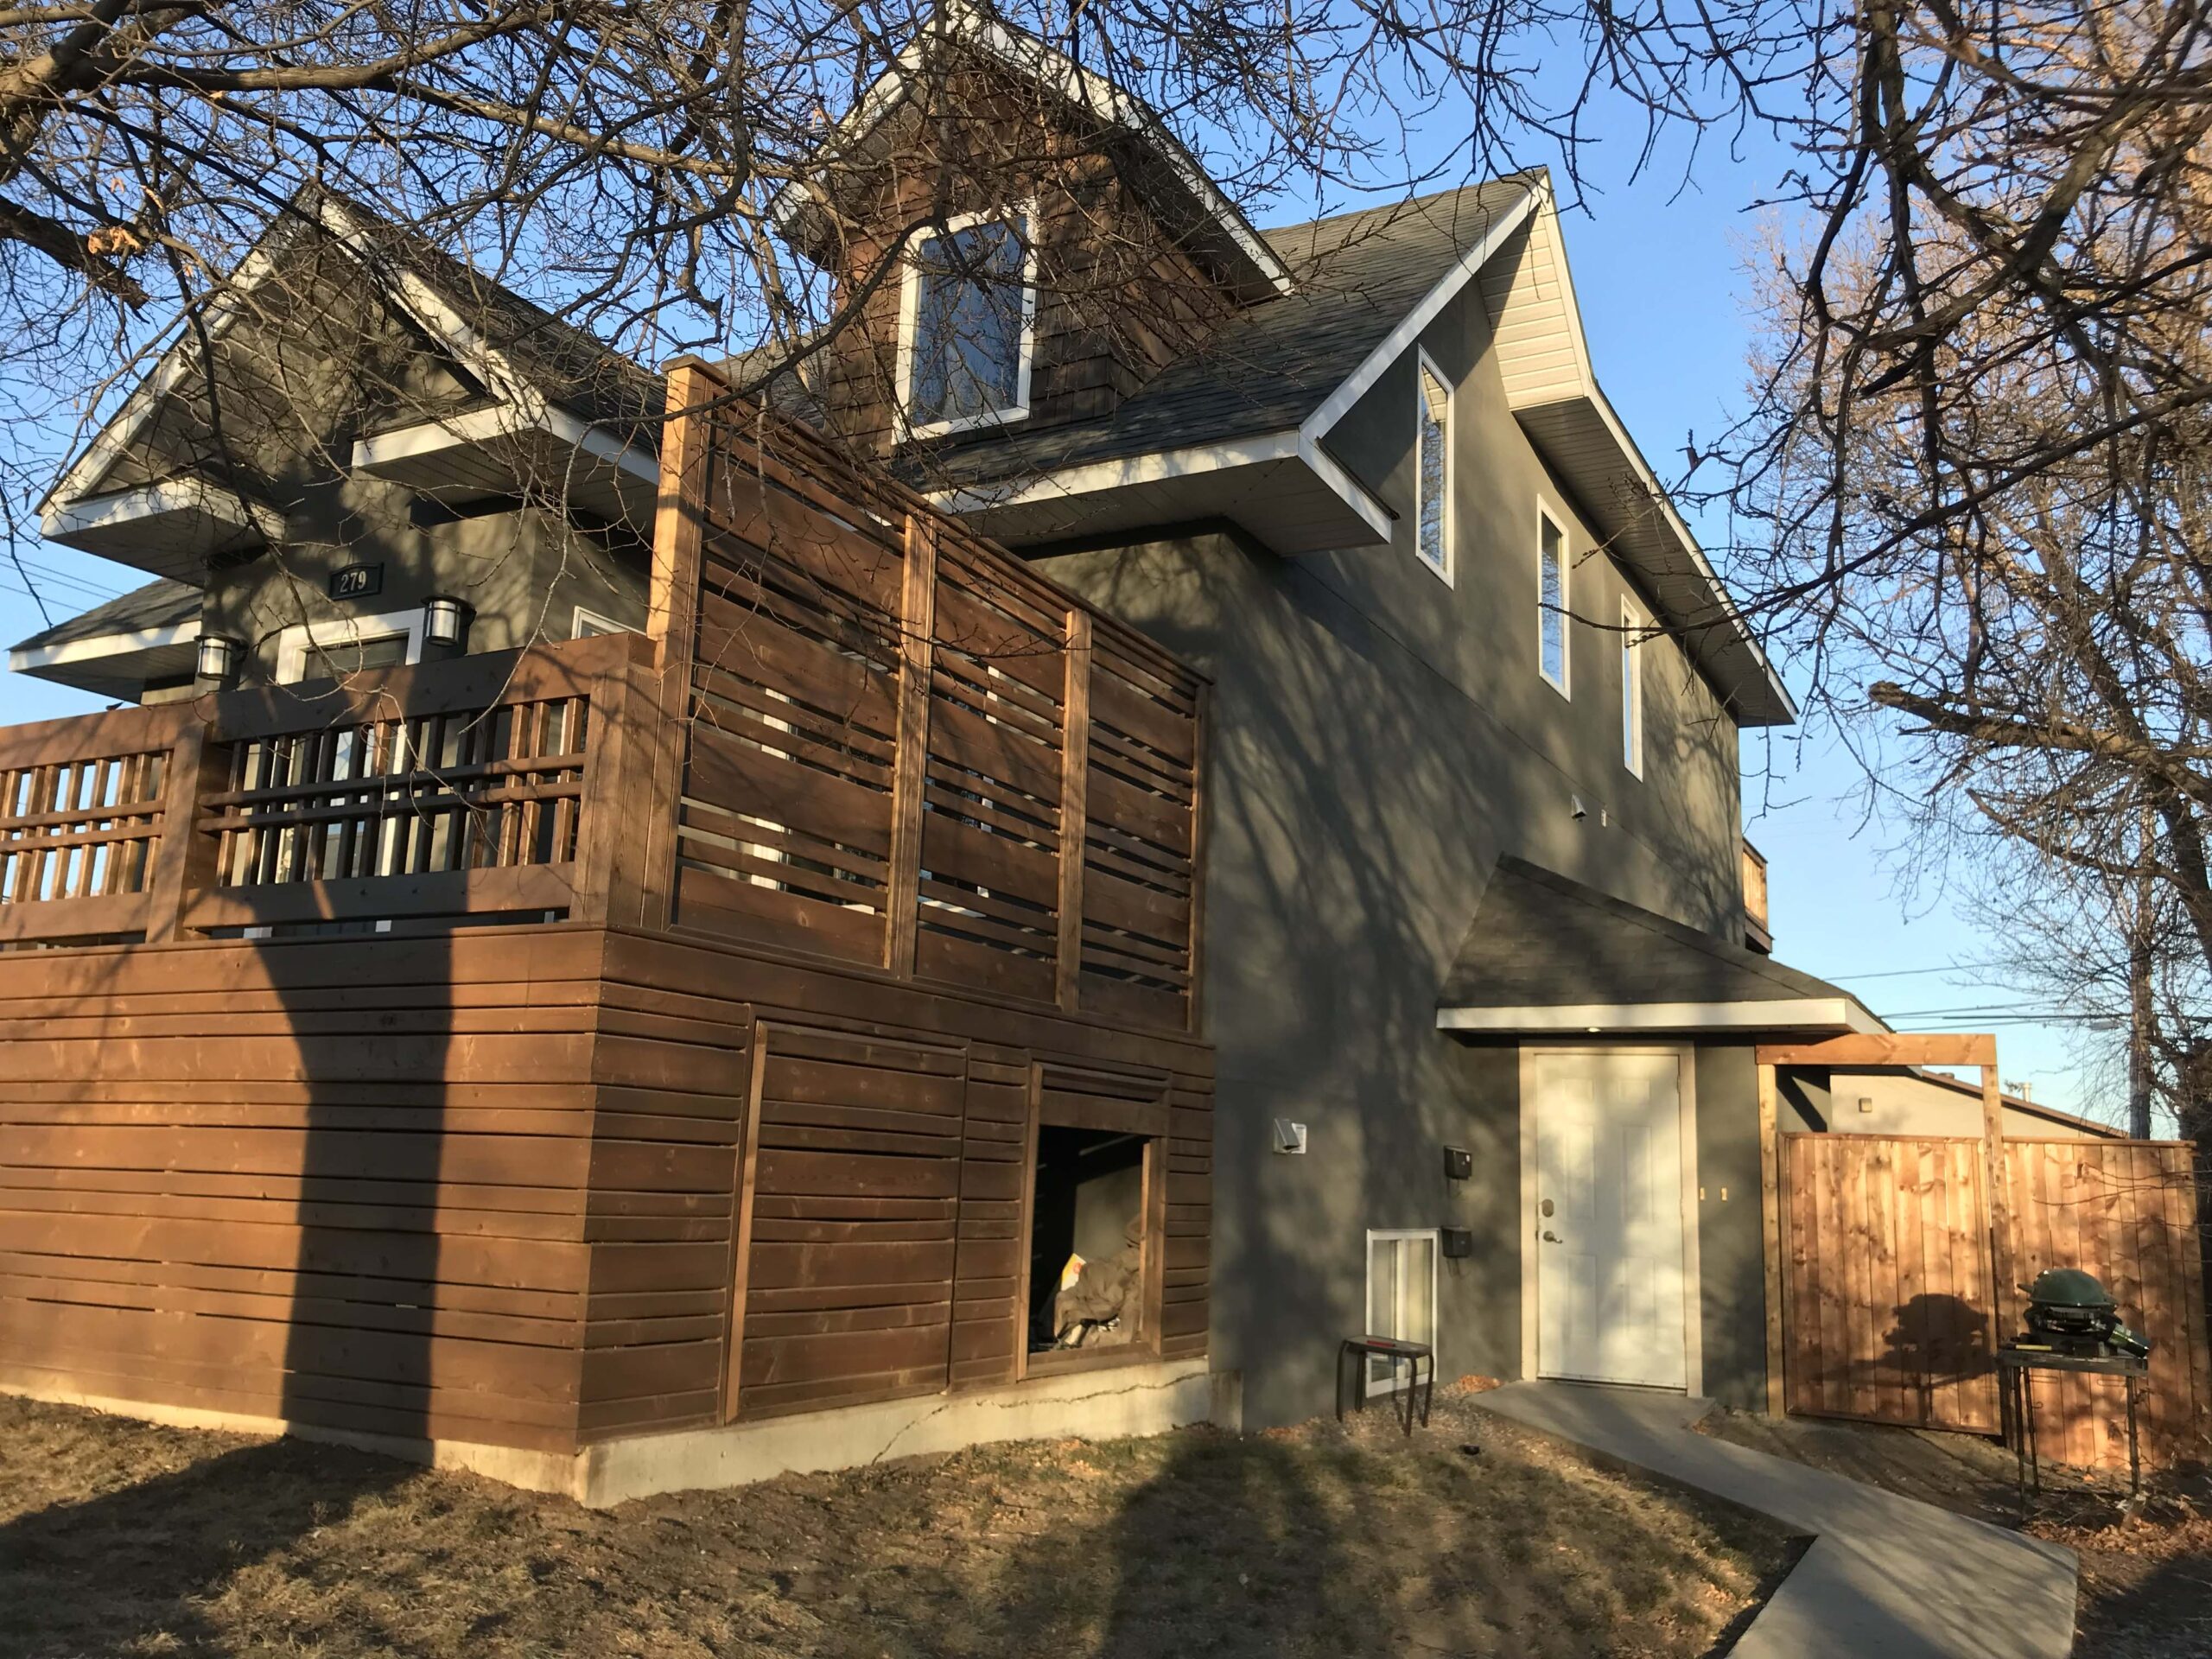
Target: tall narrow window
[(1551, 592), (1401, 1296), (1632, 689), (1432, 516), (964, 342)]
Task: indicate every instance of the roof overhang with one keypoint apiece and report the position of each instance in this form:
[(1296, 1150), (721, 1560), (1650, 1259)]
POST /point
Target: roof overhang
[(1839, 1015), (522, 416), (120, 664), (506, 450), (1209, 223), (1544, 357), (1281, 486), (171, 528)]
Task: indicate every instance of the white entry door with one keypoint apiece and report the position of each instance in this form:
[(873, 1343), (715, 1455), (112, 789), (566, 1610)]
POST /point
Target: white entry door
[(1608, 1226)]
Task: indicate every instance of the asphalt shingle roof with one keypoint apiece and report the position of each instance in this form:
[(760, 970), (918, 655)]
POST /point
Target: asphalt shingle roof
[(1540, 939), (1358, 274), (160, 604)]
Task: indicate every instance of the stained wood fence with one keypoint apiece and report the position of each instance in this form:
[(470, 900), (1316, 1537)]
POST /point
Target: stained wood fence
[(1891, 1310)]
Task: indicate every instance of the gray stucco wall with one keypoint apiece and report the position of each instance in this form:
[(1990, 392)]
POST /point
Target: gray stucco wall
[(1732, 1286), (1377, 738)]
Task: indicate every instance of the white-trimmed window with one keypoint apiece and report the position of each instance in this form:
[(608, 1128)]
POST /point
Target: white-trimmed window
[(1551, 601), (966, 328), (1401, 1296), (348, 645), (1433, 469), (1632, 634), (590, 624)]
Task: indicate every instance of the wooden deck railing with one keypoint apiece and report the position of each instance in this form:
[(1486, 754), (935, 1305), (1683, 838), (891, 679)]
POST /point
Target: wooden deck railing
[(414, 795), (853, 729)]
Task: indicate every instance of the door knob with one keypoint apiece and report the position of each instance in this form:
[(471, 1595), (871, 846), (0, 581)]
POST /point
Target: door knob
[(1549, 1236)]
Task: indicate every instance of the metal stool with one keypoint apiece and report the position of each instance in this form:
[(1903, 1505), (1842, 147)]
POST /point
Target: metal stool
[(1392, 1350)]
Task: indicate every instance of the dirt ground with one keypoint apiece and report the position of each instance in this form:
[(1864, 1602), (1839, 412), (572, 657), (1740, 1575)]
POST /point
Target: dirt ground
[(2146, 1580), (1473, 1537)]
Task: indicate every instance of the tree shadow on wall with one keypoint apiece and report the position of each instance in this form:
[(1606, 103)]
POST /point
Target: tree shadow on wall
[(1359, 801)]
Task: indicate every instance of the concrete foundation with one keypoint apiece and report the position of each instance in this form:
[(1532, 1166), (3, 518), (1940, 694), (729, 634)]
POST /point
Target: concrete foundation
[(1105, 1404)]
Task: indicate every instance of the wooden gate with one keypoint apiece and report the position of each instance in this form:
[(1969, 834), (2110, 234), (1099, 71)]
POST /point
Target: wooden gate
[(1887, 1308), (1890, 1306)]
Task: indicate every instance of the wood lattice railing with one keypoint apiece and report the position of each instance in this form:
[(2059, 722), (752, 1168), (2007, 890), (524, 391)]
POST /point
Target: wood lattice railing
[(412, 796)]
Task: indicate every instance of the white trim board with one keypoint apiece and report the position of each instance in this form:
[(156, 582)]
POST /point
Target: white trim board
[(1839, 1013), (1161, 465), (61, 518), (293, 643), (1023, 214), (95, 648), (481, 426)]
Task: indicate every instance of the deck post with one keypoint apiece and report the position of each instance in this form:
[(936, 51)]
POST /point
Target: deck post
[(184, 859), (1997, 1179), (910, 758), (1074, 810), (661, 715)]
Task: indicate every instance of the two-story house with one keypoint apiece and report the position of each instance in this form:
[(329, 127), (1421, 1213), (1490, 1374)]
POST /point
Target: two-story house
[(1469, 925)]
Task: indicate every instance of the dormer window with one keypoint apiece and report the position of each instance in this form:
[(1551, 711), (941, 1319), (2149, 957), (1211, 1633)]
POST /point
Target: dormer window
[(967, 324)]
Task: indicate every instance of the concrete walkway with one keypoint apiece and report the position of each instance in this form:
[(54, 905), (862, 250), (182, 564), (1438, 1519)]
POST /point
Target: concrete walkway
[(1886, 1577)]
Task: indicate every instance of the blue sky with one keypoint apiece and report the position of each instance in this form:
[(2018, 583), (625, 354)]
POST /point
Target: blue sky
[(1656, 267)]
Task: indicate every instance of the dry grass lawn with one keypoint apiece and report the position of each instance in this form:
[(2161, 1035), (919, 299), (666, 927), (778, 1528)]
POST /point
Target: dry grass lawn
[(117, 1538)]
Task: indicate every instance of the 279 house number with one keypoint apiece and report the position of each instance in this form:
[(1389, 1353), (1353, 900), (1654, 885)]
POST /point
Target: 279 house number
[(357, 582)]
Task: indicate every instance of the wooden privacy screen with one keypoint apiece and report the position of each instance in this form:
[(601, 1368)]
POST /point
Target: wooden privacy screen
[(1888, 1306), (906, 750), (1888, 1309)]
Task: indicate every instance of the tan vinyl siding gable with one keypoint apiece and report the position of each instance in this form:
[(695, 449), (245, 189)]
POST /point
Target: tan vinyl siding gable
[(1533, 325)]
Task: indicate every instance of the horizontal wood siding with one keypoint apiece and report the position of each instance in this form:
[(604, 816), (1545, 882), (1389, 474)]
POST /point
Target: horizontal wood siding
[(342, 1186), (880, 1248), (854, 1208)]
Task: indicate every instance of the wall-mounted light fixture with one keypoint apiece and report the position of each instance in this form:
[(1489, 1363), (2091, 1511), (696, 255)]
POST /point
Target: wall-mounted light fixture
[(219, 657), (1458, 1164), (445, 621)]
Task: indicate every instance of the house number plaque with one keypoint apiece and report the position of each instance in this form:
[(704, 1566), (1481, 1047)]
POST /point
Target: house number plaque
[(357, 581)]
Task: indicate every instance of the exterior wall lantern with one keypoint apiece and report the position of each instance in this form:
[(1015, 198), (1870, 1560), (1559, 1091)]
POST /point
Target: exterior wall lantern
[(445, 621), (219, 657)]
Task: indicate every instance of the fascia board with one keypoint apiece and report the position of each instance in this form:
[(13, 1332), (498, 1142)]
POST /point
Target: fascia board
[(1035, 60), (1840, 1013), (82, 477), (62, 519), (1648, 480), (28, 659), (1158, 466), (481, 426), (1410, 327)]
